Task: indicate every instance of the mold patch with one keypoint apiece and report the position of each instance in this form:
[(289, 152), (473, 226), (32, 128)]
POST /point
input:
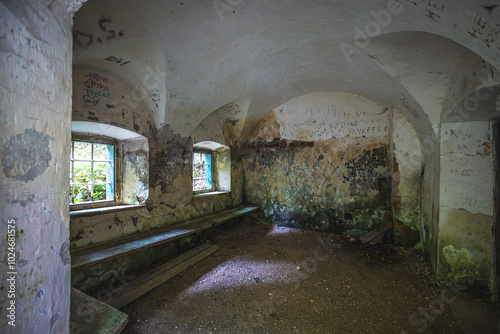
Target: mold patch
[(64, 253), (26, 156), (316, 187), (363, 174)]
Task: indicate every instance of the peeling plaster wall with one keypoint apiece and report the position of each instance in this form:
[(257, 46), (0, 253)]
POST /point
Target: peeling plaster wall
[(170, 194), (222, 169), (135, 188), (466, 214), (35, 128), (104, 99), (407, 166), (322, 161)]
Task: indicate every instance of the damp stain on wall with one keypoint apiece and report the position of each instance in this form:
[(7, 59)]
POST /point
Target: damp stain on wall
[(466, 250), (170, 161), (332, 186), (26, 155)]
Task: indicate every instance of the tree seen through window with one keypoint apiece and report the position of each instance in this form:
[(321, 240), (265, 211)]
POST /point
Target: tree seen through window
[(202, 171), (92, 172)]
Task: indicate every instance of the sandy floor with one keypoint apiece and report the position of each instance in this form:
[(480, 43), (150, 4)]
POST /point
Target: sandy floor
[(267, 279)]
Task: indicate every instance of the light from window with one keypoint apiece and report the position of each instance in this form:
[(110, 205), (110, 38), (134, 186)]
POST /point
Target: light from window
[(202, 171), (92, 172)]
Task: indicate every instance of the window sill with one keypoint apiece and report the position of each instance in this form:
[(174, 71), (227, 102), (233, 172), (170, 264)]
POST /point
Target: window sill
[(103, 210), (212, 193)]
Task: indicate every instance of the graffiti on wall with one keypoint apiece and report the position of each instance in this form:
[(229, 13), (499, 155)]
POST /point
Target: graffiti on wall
[(466, 157), (95, 87)]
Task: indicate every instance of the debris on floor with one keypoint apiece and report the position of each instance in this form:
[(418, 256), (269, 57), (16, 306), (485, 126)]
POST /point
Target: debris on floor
[(377, 235)]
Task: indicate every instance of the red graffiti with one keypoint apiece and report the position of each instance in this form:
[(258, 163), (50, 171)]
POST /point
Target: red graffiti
[(91, 84), (97, 81), (99, 77)]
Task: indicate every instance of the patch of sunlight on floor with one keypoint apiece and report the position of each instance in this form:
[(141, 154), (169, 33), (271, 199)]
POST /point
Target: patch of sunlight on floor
[(278, 230), (241, 271)]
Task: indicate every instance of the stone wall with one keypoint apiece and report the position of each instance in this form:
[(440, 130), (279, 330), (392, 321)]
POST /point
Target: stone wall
[(323, 161), (102, 98), (465, 244)]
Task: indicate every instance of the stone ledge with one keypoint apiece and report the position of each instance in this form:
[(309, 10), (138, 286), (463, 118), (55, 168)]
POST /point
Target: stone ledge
[(103, 210), (211, 193)]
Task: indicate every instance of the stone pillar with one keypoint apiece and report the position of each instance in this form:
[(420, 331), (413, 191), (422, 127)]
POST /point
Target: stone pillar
[(35, 129)]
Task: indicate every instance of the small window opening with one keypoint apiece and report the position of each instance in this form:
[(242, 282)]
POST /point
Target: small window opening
[(92, 174), (202, 172)]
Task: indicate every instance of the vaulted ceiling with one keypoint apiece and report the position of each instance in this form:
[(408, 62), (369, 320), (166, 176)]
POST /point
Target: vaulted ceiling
[(194, 57)]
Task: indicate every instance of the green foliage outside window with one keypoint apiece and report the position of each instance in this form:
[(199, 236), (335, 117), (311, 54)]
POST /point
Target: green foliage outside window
[(202, 171), (92, 172)]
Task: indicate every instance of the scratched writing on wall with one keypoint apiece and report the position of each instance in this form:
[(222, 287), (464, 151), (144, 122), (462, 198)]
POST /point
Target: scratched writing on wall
[(333, 122)]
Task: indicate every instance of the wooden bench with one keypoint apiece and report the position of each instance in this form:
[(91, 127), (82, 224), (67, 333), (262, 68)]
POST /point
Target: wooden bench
[(93, 267)]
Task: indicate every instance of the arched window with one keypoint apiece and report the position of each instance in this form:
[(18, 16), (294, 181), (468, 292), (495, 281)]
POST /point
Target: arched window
[(109, 166)]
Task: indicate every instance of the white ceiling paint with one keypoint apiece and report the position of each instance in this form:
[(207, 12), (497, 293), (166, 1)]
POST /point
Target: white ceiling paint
[(212, 53)]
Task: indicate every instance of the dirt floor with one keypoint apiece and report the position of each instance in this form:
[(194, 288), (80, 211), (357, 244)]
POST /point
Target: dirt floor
[(267, 279)]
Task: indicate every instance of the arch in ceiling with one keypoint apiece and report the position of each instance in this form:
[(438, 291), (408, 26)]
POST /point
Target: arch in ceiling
[(482, 104), (270, 52)]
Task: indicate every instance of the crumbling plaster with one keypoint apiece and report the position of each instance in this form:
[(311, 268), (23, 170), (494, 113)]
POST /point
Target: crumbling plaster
[(323, 161)]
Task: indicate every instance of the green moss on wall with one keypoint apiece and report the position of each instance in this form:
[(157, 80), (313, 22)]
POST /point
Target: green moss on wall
[(410, 219), (324, 187), (364, 221), (355, 218), (460, 267)]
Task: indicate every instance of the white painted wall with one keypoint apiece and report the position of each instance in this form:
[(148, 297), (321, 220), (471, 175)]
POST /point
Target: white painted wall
[(467, 167), (327, 115), (102, 98)]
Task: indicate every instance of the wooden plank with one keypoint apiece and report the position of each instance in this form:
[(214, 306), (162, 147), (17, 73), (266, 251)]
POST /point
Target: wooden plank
[(138, 281), (148, 282), (380, 230), (88, 315), (378, 239)]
